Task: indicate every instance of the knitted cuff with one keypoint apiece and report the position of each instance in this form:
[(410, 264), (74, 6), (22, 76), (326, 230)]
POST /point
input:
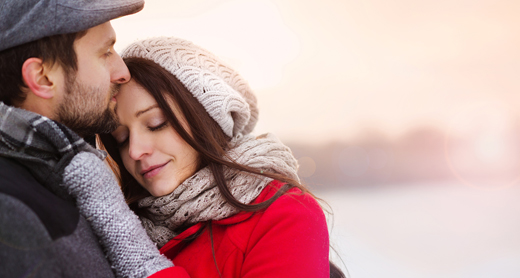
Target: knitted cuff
[(101, 202)]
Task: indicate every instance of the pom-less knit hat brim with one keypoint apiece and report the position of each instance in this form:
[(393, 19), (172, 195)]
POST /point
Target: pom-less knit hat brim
[(225, 95), (23, 21)]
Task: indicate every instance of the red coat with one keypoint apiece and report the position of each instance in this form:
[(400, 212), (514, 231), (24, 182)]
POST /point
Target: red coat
[(288, 239)]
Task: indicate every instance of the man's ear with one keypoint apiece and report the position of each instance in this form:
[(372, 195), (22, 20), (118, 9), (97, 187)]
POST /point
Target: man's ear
[(36, 76)]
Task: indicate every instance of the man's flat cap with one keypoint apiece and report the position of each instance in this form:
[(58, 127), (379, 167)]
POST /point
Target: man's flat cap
[(23, 21)]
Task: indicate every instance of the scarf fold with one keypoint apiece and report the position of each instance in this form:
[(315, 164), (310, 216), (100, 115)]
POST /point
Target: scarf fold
[(198, 198), (42, 145)]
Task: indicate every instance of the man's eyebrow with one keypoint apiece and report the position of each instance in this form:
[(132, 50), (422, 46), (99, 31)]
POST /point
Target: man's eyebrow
[(109, 42), (138, 113)]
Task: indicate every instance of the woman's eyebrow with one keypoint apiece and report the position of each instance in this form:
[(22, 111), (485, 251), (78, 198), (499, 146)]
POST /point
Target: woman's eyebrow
[(138, 113)]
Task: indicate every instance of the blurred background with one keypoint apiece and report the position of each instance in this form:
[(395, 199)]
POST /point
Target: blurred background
[(403, 116)]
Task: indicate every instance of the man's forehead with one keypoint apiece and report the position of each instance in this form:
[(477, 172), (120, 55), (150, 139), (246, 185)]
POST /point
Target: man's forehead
[(101, 36)]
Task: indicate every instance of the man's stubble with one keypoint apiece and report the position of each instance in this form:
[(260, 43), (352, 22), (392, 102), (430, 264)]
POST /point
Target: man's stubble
[(86, 110)]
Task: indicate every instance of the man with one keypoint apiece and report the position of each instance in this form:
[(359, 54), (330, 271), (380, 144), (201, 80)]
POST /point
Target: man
[(58, 69)]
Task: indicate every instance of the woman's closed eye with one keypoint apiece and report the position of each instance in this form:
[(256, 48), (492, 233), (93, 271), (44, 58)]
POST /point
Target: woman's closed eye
[(158, 127)]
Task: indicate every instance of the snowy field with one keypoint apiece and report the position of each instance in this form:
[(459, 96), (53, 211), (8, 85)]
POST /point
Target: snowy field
[(429, 230)]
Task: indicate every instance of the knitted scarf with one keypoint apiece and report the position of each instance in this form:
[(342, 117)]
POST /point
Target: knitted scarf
[(198, 198), (44, 146)]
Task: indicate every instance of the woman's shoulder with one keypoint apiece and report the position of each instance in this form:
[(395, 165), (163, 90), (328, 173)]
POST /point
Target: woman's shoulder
[(294, 202), (294, 197), (295, 215), (293, 223), (294, 206)]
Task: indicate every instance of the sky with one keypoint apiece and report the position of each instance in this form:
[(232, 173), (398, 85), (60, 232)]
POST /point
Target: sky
[(328, 71)]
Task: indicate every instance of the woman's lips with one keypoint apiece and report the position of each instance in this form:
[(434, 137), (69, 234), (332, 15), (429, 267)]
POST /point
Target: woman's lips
[(153, 171)]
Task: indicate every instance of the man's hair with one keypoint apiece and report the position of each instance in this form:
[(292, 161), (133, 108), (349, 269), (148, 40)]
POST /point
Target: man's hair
[(54, 49)]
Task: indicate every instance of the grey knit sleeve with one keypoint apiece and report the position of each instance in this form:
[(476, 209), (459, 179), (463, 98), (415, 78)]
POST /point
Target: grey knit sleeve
[(99, 198)]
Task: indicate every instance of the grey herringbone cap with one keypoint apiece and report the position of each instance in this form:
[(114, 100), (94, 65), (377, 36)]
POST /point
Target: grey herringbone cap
[(23, 21)]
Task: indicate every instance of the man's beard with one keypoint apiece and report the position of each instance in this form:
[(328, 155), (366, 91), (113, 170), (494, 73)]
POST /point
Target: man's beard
[(82, 109)]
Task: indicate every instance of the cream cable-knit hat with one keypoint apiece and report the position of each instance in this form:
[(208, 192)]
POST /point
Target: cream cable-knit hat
[(224, 94)]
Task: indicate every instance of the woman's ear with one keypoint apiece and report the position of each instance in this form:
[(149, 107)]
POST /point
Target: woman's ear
[(36, 76)]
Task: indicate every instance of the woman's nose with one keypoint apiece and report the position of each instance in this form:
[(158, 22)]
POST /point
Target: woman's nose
[(138, 148)]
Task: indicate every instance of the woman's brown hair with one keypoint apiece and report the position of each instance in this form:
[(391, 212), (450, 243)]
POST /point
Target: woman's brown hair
[(207, 138)]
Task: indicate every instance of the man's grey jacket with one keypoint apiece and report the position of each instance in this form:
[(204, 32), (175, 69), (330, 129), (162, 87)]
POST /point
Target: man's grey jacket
[(42, 235)]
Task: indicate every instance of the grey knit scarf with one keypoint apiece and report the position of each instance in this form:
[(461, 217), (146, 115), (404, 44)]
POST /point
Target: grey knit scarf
[(198, 197), (44, 146)]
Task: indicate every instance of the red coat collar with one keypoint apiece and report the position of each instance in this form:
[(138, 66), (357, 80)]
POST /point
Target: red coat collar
[(267, 193)]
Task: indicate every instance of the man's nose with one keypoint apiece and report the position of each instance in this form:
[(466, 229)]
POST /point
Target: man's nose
[(120, 73)]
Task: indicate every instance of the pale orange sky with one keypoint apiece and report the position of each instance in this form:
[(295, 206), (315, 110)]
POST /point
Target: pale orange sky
[(330, 70)]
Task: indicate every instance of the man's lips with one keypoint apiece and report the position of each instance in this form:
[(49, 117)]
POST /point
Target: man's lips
[(153, 170)]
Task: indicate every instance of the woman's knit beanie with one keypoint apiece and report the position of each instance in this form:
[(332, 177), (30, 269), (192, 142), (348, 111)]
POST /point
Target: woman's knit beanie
[(224, 94)]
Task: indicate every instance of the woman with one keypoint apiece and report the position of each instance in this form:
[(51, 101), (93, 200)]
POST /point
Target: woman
[(216, 200)]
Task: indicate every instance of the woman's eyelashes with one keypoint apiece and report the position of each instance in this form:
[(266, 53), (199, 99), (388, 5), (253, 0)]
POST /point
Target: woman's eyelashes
[(158, 127), (121, 142)]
